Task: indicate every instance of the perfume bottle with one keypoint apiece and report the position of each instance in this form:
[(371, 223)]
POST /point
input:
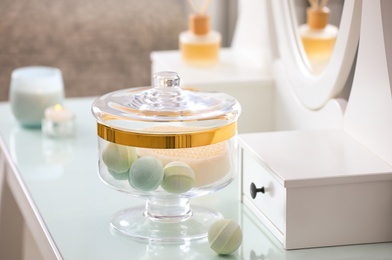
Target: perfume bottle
[(318, 37), (200, 45)]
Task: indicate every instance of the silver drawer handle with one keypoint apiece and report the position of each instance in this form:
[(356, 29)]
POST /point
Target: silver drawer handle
[(254, 190)]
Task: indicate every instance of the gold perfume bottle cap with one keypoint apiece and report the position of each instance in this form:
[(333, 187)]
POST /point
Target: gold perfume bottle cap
[(199, 24), (318, 17)]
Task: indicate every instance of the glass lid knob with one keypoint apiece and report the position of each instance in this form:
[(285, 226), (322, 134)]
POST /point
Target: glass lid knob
[(166, 94), (166, 79)]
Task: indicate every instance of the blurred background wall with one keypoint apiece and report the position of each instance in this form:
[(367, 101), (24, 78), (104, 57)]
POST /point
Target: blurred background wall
[(100, 45)]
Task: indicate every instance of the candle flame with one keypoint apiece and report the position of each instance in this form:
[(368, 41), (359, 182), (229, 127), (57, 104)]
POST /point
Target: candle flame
[(57, 107)]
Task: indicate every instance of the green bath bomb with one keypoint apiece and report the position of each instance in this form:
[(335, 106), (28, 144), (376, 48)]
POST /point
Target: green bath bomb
[(146, 173), (118, 158), (225, 236), (178, 177), (119, 176)]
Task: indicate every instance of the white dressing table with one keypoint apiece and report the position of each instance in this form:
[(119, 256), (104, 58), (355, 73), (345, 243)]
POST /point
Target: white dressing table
[(67, 208), (51, 188)]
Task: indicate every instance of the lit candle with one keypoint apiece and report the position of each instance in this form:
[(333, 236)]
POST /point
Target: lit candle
[(58, 122), (58, 114)]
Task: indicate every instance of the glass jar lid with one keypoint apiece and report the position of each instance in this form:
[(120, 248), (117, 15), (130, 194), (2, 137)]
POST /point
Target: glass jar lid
[(166, 115)]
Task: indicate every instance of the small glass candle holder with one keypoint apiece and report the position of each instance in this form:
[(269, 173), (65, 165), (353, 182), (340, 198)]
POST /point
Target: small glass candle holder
[(58, 122)]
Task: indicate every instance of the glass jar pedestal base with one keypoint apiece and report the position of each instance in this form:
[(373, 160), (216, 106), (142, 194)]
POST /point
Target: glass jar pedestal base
[(165, 220)]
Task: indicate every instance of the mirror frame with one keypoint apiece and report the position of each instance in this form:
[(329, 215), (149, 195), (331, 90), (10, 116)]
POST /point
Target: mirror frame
[(315, 90)]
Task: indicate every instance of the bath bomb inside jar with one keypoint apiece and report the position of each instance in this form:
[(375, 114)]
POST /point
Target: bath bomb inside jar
[(210, 163), (178, 177), (118, 158), (225, 236), (146, 173)]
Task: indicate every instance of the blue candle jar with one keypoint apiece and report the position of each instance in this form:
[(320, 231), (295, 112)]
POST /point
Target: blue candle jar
[(32, 90)]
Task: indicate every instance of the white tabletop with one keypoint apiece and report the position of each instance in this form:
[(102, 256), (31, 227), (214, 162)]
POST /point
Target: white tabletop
[(331, 156), (61, 178), (235, 67)]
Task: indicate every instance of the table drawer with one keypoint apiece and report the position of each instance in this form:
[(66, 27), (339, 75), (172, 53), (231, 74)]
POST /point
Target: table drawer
[(271, 203)]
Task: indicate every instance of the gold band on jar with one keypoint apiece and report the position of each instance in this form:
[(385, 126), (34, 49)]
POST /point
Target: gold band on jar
[(167, 140)]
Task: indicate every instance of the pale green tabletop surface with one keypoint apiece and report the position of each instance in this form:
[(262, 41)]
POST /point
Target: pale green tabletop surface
[(62, 180)]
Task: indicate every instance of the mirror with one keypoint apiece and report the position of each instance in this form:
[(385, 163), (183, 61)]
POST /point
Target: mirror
[(318, 23), (315, 89)]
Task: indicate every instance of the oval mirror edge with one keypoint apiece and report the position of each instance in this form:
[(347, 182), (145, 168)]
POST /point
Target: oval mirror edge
[(312, 90)]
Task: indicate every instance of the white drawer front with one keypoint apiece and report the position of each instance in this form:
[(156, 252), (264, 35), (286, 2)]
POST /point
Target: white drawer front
[(271, 203)]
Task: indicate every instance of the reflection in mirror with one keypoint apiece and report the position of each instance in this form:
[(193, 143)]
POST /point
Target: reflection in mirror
[(314, 90), (318, 33)]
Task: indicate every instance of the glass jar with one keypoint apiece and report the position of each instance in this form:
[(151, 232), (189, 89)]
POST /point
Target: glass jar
[(166, 144)]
